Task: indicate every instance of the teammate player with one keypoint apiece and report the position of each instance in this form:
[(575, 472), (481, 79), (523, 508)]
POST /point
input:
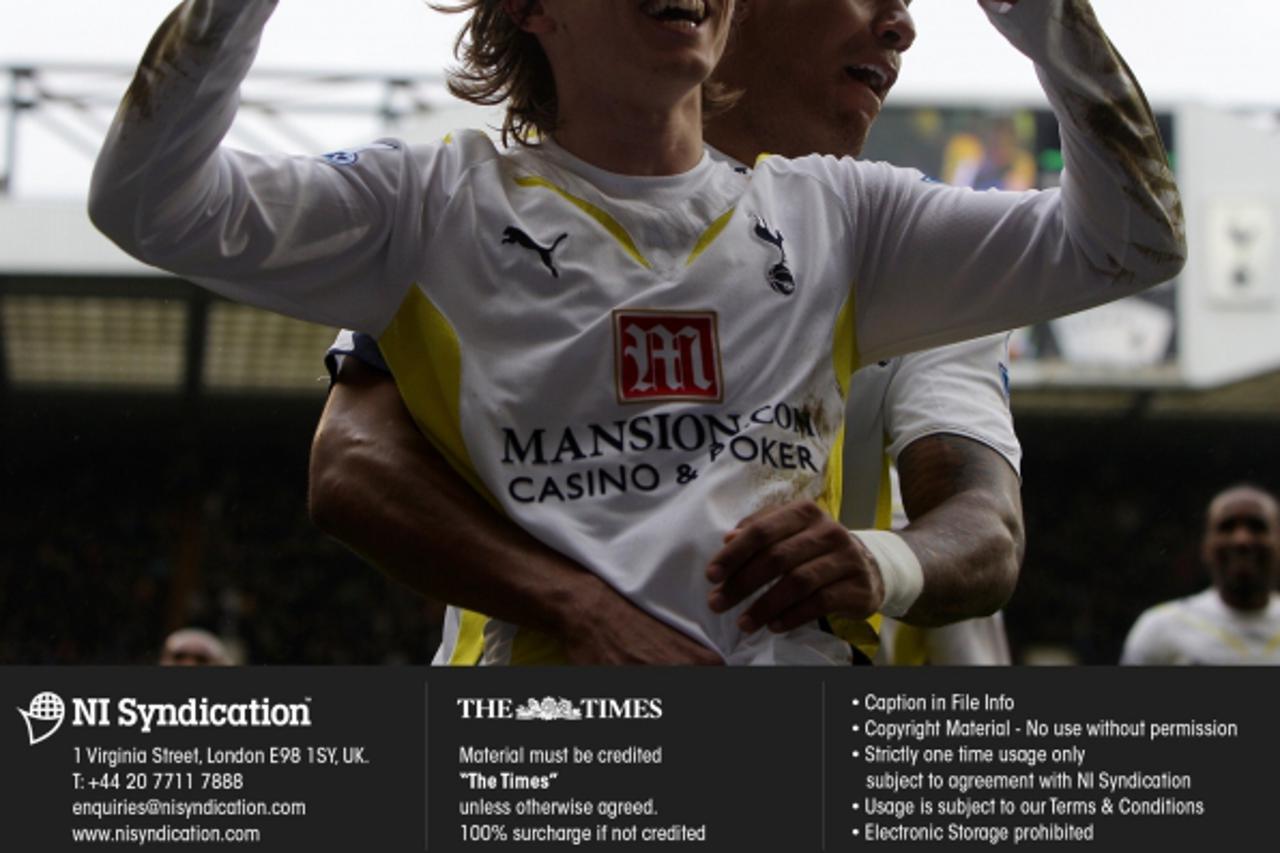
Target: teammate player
[(942, 416), (978, 641), (678, 365), (1237, 620)]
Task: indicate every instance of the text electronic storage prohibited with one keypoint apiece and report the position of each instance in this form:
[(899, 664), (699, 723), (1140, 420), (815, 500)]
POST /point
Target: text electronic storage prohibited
[(608, 759)]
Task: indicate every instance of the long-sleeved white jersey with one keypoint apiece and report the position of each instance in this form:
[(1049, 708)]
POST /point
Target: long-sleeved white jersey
[(629, 366)]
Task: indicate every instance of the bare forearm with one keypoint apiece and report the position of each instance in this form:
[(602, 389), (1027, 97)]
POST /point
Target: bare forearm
[(966, 527), (380, 488)]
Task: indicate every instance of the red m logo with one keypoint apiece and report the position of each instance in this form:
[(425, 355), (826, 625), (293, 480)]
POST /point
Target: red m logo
[(666, 355)]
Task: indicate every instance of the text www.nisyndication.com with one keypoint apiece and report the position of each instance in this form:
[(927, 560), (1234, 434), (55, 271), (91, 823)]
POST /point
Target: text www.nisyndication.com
[(165, 835), (176, 834)]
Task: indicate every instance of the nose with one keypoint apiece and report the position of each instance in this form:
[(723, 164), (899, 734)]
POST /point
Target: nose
[(1241, 536), (894, 26)]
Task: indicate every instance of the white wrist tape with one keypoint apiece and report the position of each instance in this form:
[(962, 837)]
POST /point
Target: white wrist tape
[(900, 569)]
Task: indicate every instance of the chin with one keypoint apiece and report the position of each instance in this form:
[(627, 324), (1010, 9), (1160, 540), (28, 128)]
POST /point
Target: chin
[(854, 136)]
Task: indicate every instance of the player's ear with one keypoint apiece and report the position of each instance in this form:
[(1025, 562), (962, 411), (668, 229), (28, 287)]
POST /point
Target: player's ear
[(529, 15)]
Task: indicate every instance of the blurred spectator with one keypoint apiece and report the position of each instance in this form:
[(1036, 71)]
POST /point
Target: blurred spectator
[(193, 647), (1237, 620)]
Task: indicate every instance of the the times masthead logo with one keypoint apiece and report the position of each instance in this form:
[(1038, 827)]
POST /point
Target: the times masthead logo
[(559, 708)]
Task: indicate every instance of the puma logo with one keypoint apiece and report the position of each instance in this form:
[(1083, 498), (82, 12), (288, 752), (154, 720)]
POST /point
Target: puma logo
[(511, 234)]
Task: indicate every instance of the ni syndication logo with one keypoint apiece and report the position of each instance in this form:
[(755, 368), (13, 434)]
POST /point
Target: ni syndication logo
[(43, 716), (47, 711)]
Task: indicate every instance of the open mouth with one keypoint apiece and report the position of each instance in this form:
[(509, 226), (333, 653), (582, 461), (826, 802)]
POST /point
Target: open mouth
[(681, 13), (877, 78)]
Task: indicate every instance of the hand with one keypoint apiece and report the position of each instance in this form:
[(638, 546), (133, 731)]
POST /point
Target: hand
[(606, 628), (819, 566)]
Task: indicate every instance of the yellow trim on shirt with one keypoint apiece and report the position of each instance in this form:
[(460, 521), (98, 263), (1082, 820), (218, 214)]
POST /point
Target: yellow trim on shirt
[(884, 496), (611, 225), (422, 350), (863, 634), (469, 646), (1232, 641), (844, 344), (710, 235), (910, 646), (833, 485)]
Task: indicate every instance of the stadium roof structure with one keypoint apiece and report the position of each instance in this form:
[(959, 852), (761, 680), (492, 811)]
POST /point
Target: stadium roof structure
[(77, 317), (146, 334)]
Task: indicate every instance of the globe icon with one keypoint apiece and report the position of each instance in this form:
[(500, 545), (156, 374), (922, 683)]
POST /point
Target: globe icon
[(47, 706), (46, 711)]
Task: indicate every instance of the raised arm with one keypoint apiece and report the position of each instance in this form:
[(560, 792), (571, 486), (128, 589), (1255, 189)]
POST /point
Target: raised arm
[(324, 239), (379, 487), (937, 264)]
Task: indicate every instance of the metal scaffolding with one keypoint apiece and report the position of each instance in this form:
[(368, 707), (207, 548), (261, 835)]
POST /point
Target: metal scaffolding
[(280, 111)]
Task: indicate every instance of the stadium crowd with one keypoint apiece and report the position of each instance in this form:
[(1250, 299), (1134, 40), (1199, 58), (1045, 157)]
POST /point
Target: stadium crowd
[(93, 532)]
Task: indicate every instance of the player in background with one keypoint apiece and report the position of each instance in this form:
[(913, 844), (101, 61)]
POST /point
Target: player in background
[(1237, 620), (193, 647), (942, 416), (403, 243)]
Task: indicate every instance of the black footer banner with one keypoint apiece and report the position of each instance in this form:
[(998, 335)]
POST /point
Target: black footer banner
[(414, 759)]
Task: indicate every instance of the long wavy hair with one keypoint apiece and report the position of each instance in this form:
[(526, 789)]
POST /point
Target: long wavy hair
[(498, 62)]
